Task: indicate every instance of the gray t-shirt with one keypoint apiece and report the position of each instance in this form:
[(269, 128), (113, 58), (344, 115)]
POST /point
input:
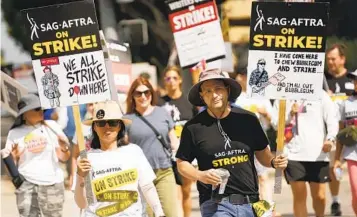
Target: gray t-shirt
[(141, 134)]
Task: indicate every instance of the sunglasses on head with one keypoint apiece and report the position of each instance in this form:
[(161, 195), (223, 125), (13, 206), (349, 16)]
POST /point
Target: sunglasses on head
[(111, 123), (171, 78), (138, 94)]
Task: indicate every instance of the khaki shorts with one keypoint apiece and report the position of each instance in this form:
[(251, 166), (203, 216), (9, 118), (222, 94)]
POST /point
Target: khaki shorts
[(40, 200)]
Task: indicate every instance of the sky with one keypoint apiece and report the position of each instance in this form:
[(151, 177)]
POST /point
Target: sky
[(12, 52)]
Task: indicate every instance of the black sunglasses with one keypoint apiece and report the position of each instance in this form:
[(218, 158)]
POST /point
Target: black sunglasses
[(111, 123), (138, 94), (261, 64)]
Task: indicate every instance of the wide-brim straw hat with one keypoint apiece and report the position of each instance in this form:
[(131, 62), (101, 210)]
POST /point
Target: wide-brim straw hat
[(26, 103), (108, 110), (213, 74)]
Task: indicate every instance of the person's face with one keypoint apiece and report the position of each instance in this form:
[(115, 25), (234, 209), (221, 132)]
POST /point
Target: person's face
[(261, 66), (335, 61), (242, 80), (33, 116), (142, 96), (107, 130), (214, 93), (172, 80)]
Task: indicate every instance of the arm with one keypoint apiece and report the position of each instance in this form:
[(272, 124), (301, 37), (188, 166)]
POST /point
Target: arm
[(75, 154), (63, 152), (330, 115), (152, 198), (80, 193), (187, 170), (83, 169), (265, 157), (174, 141)]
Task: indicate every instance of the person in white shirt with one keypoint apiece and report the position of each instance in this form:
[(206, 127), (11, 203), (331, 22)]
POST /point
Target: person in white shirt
[(308, 145), (348, 118), (118, 170), (37, 146)]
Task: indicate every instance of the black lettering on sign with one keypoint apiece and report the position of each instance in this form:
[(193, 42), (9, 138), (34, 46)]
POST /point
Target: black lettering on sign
[(89, 77)]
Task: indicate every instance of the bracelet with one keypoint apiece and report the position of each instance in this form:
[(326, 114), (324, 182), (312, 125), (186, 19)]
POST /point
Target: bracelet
[(272, 162)]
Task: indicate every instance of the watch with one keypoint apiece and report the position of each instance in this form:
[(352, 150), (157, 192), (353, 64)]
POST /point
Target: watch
[(272, 162)]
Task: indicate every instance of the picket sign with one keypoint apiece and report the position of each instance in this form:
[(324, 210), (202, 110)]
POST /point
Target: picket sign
[(280, 133), (71, 70)]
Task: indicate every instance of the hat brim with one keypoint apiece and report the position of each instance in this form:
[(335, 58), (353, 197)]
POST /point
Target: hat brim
[(18, 120), (89, 122), (194, 94)]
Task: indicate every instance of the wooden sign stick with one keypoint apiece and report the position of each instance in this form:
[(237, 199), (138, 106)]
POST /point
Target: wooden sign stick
[(280, 145), (83, 153)]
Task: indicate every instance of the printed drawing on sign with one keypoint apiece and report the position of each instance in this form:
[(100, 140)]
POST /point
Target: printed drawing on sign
[(67, 58), (50, 84), (260, 19), (286, 53), (258, 78), (33, 27)]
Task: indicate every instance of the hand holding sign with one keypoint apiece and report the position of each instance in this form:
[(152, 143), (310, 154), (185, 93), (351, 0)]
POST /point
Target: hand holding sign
[(83, 167)]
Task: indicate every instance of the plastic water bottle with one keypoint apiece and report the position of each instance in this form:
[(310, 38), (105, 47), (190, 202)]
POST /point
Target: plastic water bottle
[(338, 173)]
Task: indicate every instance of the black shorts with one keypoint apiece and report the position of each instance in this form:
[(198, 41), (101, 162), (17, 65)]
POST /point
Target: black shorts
[(307, 171)]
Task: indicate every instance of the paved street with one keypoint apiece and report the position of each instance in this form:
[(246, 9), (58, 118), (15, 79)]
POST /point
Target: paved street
[(284, 201)]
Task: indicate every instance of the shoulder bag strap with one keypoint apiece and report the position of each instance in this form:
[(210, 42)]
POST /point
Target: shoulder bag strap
[(158, 135)]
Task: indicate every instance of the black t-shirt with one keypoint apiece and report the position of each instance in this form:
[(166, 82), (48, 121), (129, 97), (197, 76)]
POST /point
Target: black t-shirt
[(340, 84), (180, 110), (202, 140)]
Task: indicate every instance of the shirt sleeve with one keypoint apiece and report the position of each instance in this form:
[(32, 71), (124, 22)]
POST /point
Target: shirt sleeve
[(260, 139), (330, 115), (169, 119), (146, 173), (186, 150), (10, 141)]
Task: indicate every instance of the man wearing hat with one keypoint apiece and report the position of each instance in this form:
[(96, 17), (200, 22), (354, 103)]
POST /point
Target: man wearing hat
[(223, 137), (347, 143)]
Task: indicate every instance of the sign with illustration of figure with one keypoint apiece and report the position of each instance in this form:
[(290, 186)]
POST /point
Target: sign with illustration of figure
[(66, 53), (197, 31), (287, 50), (11, 92)]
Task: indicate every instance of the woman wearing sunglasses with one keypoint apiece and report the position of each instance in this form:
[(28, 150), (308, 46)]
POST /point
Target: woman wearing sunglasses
[(118, 169), (36, 147), (180, 109), (152, 129)]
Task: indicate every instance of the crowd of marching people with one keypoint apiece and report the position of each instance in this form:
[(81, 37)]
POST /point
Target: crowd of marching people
[(151, 151)]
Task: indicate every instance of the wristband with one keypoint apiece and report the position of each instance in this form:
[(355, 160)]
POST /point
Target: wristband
[(272, 162)]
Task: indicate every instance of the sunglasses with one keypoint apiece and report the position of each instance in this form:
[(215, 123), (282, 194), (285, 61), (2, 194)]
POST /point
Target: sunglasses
[(167, 79), (37, 109), (138, 94), (261, 64), (111, 123)]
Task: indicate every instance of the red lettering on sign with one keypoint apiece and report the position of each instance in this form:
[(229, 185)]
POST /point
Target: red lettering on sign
[(49, 61), (185, 19)]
